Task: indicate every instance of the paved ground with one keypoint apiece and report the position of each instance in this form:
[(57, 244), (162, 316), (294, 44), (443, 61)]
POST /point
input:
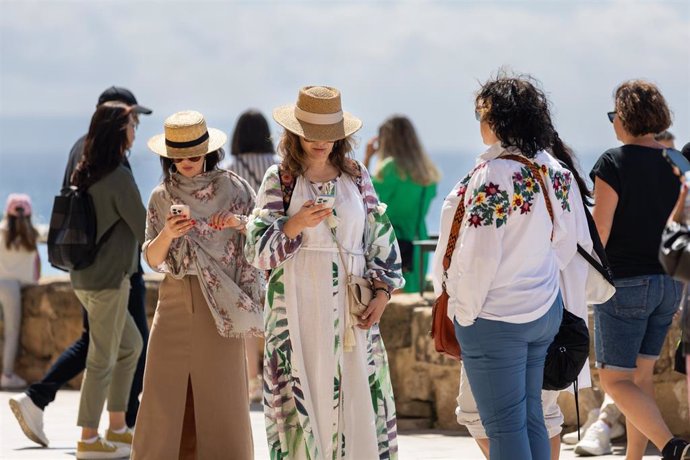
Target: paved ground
[(60, 429)]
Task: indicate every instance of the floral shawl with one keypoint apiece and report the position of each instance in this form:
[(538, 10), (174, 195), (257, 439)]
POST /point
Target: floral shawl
[(232, 287)]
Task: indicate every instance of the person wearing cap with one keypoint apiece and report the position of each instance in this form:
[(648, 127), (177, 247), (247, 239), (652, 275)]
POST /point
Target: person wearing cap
[(20, 265), (327, 390), (29, 406), (195, 402), (103, 287)]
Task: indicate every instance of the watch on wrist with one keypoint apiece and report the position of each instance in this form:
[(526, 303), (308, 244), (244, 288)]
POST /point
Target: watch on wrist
[(385, 291)]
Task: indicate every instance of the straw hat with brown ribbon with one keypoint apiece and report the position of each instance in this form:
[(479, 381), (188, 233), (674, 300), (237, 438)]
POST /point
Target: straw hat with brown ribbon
[(186, 136), (318, 115)]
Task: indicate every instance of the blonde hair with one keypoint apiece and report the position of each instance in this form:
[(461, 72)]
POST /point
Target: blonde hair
[(398, 139)]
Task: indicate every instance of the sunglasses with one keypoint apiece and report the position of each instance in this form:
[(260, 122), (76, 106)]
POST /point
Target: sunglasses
[(477, 115), (611, 116), (192, 159)]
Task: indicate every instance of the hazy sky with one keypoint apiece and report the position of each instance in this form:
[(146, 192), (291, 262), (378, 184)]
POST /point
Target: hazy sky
[(421, 58)]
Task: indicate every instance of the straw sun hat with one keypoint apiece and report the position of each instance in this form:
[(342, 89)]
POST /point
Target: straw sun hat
[(318, 115), (185, 136)]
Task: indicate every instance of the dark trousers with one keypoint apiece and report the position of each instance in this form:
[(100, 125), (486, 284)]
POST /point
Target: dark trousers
[(73, 360)]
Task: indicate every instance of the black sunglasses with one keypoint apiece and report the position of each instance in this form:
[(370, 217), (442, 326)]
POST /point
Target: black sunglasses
[(611, 116)]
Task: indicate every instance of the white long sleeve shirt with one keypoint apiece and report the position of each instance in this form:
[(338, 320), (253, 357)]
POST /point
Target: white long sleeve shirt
[(506, 264)]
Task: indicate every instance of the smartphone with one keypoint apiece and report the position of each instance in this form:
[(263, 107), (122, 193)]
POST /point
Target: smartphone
[(180, 210), (677, 159), (327, 200)]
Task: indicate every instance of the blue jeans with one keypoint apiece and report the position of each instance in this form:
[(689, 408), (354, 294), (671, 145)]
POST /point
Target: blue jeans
[(505, 367), (73, 360), (634, 322)]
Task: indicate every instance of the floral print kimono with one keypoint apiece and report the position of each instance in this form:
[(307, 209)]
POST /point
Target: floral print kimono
[(320, 401)]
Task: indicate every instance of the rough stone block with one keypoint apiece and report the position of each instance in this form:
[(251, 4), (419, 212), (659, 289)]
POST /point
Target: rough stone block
[(414, 409)]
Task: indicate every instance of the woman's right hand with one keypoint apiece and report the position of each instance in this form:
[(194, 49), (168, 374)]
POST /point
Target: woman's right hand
[(372, 148), (177, 226), (310, 215)]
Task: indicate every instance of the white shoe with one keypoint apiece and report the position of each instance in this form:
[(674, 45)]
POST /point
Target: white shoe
[(30, 418), (12, 382), (597, 440), (571, 438)]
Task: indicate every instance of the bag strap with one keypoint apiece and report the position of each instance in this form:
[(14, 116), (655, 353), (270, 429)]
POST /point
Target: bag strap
[(536, 172), (455, 231)]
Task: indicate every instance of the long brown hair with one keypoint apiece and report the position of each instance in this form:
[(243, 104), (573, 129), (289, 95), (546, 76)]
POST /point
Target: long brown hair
[(20, 233), (105, 144), (398, 139), (294, 157)]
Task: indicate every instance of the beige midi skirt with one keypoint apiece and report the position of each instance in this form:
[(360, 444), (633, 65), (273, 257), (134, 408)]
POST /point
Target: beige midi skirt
[(194, 404)]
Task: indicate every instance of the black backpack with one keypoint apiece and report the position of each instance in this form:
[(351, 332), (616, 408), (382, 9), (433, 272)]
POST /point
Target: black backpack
[(72, 236)]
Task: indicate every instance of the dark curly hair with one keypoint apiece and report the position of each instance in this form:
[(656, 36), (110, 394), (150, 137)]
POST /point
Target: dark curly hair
[(517, 111), (641, 108), (293, 156)]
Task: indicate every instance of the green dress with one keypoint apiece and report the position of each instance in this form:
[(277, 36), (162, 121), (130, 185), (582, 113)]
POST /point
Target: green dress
[(408, 204)]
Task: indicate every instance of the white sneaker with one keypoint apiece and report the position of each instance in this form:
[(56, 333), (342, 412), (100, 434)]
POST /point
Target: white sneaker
[(571, 438), (597, 440), (30, 418), (12, 382)]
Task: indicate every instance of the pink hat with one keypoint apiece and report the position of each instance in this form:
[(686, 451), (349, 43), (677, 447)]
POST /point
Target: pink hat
[(17, 201)]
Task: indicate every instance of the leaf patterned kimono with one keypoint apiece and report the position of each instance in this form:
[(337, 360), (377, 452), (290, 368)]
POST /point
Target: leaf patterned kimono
[(320, 401)]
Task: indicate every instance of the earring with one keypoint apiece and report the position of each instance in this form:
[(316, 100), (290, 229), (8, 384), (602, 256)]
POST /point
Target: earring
[(204, 167)]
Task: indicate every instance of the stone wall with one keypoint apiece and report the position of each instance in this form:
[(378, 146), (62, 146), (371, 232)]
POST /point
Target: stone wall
[(425, 383)]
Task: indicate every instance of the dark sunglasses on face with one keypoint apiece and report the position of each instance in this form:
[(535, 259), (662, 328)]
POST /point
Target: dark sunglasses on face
[(192, 159), (611, 116)]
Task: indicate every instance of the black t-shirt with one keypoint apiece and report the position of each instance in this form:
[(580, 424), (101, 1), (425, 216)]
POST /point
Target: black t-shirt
[(647, 192)]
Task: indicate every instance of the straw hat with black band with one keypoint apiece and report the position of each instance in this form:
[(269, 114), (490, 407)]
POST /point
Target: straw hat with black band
[(318, 115), (186, 135)]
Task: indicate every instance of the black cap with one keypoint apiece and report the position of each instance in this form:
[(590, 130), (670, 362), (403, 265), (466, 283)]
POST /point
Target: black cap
[(117, 93)]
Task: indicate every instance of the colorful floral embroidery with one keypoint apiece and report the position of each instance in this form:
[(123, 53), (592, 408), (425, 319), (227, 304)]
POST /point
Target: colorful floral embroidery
[(561, 181), (525, 187), (488, 204)]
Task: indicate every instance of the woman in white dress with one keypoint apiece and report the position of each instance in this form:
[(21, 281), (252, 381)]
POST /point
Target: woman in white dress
[(327, 390)]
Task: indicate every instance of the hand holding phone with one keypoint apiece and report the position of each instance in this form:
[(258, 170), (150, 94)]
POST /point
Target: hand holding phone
[(327, 201), (677, 160), (180, 210)]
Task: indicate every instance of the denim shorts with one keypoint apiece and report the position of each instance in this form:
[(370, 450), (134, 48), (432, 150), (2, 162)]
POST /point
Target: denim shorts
[(634, 322)]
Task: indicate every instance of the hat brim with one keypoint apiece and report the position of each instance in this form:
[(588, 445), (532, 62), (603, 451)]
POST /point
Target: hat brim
[(141, 109), (216, 140), (285, 117)]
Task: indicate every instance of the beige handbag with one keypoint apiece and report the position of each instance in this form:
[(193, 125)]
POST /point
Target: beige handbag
[(359, 293)]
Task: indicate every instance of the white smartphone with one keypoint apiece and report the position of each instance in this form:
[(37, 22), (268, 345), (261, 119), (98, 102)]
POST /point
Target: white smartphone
[(327, 200), (180, 210)]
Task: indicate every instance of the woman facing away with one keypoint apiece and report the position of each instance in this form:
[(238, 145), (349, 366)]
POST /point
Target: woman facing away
[(327, 389), (405, 179), (252, 154), (194, 403), (20, 265), (634, 192), (103, 287), (503, 281)]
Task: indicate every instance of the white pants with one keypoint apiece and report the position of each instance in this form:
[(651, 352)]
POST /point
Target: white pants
[(467, 413), (10, 298)]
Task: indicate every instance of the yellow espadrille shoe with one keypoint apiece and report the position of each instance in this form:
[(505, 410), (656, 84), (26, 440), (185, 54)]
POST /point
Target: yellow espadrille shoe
[(120, 439), (101, 449)]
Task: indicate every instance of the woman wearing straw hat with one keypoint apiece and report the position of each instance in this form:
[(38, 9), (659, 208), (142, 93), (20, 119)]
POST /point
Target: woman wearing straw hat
[(327, 391), (194, 403)]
